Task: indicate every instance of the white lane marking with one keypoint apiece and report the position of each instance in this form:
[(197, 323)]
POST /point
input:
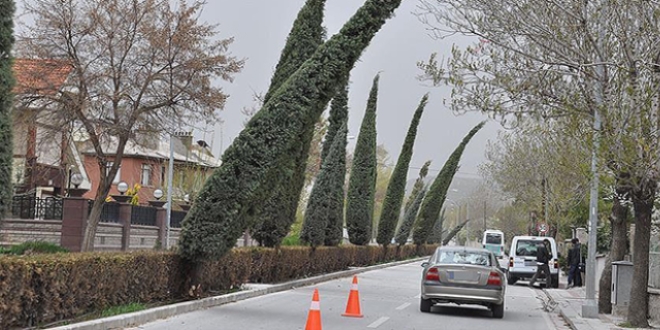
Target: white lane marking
[(378, 322), (403, 306)]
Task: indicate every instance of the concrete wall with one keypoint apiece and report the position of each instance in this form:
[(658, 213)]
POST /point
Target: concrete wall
[(654, 306), (108, 237), (17, 231)]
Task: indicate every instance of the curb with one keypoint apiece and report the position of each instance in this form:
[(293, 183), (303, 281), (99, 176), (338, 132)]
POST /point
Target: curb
[(162, 312), (562, 313)]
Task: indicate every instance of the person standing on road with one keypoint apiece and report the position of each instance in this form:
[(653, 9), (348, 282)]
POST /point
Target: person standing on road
[(574, 260), (542, 259)]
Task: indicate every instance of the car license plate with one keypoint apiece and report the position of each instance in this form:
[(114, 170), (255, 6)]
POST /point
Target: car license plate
[(461, 276)]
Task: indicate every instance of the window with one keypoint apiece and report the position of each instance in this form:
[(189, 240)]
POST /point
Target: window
[(464, 258), (493, 239), (107, 171), (145, 179), (162, 175), (526, 248)]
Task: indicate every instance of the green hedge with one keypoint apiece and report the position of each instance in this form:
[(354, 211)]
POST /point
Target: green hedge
[(41, 289)]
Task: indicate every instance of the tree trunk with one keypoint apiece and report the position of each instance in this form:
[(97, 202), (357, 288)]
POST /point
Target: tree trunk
[(638, 310), (618, 246)]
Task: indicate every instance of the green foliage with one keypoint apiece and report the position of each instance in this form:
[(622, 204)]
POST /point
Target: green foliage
[(362, 183), (274, 218), (324, 215), (450, 235), (214, 223), (7, 8), (411, 214), (396, 189), (435, 198), (338, 116), (437, 233), (418, 186), (123, 309), (36, 247)]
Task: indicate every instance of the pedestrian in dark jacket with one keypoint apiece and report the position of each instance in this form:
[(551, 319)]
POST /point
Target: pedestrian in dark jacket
[(542, 259), (574, 261)]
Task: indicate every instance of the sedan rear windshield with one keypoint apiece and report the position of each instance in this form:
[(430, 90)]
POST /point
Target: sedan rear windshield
[(464, 258)]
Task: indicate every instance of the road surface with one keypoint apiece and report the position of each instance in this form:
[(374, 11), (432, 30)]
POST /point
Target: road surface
[(389, 300)]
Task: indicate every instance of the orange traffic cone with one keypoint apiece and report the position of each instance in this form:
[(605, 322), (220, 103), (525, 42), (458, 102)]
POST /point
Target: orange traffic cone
[(314, 316), (353, 306)]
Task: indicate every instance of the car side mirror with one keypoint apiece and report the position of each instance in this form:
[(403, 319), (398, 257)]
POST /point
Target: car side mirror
[(425, 264)]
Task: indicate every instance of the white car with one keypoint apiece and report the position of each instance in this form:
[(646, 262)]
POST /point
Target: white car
[(522, 259)]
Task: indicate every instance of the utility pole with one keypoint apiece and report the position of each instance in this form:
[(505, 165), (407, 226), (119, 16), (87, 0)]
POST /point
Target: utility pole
[(590, 308), (170, 185), (485, 225)]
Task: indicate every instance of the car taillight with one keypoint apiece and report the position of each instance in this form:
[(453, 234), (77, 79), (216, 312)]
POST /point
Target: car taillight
[(510, 262), (556, 264), (494, 279), (432, 275)]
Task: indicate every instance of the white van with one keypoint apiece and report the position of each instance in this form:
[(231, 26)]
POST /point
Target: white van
[(522, 259), (493, 241)]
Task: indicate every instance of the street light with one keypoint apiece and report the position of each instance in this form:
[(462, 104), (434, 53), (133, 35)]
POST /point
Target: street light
[(122, 187), (158, 194), (76, 179)]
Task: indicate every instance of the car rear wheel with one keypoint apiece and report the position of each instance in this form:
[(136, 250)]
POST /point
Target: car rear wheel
[(498, 311), (510, 279), (425, 305)]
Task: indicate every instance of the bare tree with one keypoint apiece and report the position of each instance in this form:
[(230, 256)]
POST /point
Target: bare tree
[(541, 60), (140, 68)]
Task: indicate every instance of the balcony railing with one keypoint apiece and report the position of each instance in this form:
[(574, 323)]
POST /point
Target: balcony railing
[(30, 207), (143, 215)]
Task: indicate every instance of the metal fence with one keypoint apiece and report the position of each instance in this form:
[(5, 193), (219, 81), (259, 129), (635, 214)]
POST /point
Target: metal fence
[(654, 270), (30, 207), (176, 218), (109, 212), (143, 215)]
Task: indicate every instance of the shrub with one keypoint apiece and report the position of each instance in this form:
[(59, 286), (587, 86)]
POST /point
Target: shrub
[(42, 289)]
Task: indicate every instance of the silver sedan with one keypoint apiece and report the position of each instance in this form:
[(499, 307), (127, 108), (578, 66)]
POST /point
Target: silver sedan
[(462, 275)]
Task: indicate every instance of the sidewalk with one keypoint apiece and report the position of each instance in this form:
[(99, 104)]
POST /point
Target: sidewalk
[(568, 303)]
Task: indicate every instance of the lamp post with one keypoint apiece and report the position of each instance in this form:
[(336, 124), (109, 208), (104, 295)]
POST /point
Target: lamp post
[(170, 185), (76, 180), (122, 187), (158, 194)]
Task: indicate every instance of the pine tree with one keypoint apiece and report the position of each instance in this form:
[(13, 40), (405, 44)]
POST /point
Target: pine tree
[(7, 8), (338, 116), (274, 218), (435, 198), (246, 175), (327, 197), (396, 189), (362, 183), (409, 217), (417, 187)]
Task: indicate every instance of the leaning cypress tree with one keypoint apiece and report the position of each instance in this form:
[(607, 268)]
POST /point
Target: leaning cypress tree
[(436, 234), (454, 232), (435, 198), (417, 187), (338, 116), (396, 189), (213, 225), (6, 98), (362, 183), (325, 206), (273, 219), (409, 217)]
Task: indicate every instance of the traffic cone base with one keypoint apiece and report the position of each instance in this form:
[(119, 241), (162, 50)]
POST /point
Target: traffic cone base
[(353, 305), (314, 316)]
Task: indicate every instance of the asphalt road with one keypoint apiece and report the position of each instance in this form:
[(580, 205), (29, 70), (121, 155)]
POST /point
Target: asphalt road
[(389, 300)]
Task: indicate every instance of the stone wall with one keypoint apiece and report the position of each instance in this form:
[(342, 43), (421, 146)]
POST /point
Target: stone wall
[(143, 237), (17, 231), (108, 237)]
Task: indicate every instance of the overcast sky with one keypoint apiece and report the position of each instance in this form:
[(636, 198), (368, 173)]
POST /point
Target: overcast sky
[(260, 28)]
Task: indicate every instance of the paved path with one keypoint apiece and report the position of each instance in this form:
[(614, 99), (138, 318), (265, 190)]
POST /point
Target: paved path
[(389, 300)]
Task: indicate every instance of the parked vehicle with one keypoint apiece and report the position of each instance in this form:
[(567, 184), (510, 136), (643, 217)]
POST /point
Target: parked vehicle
[(493, 241), (522, 259), (462, 275)]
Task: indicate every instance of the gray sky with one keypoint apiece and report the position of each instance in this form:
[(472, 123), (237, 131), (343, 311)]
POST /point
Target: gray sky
[(260, 28)]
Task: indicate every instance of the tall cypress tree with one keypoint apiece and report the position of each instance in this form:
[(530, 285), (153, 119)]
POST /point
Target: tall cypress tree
[(396, 189), (409, 217), (275, 217), (437, 233), (362, 183), (214, 223), (338, 117), (419, 184), (7, 8), (437, 194), (327, 197)]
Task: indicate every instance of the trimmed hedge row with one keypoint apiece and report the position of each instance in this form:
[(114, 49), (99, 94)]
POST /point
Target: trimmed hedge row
[(36, 290)]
